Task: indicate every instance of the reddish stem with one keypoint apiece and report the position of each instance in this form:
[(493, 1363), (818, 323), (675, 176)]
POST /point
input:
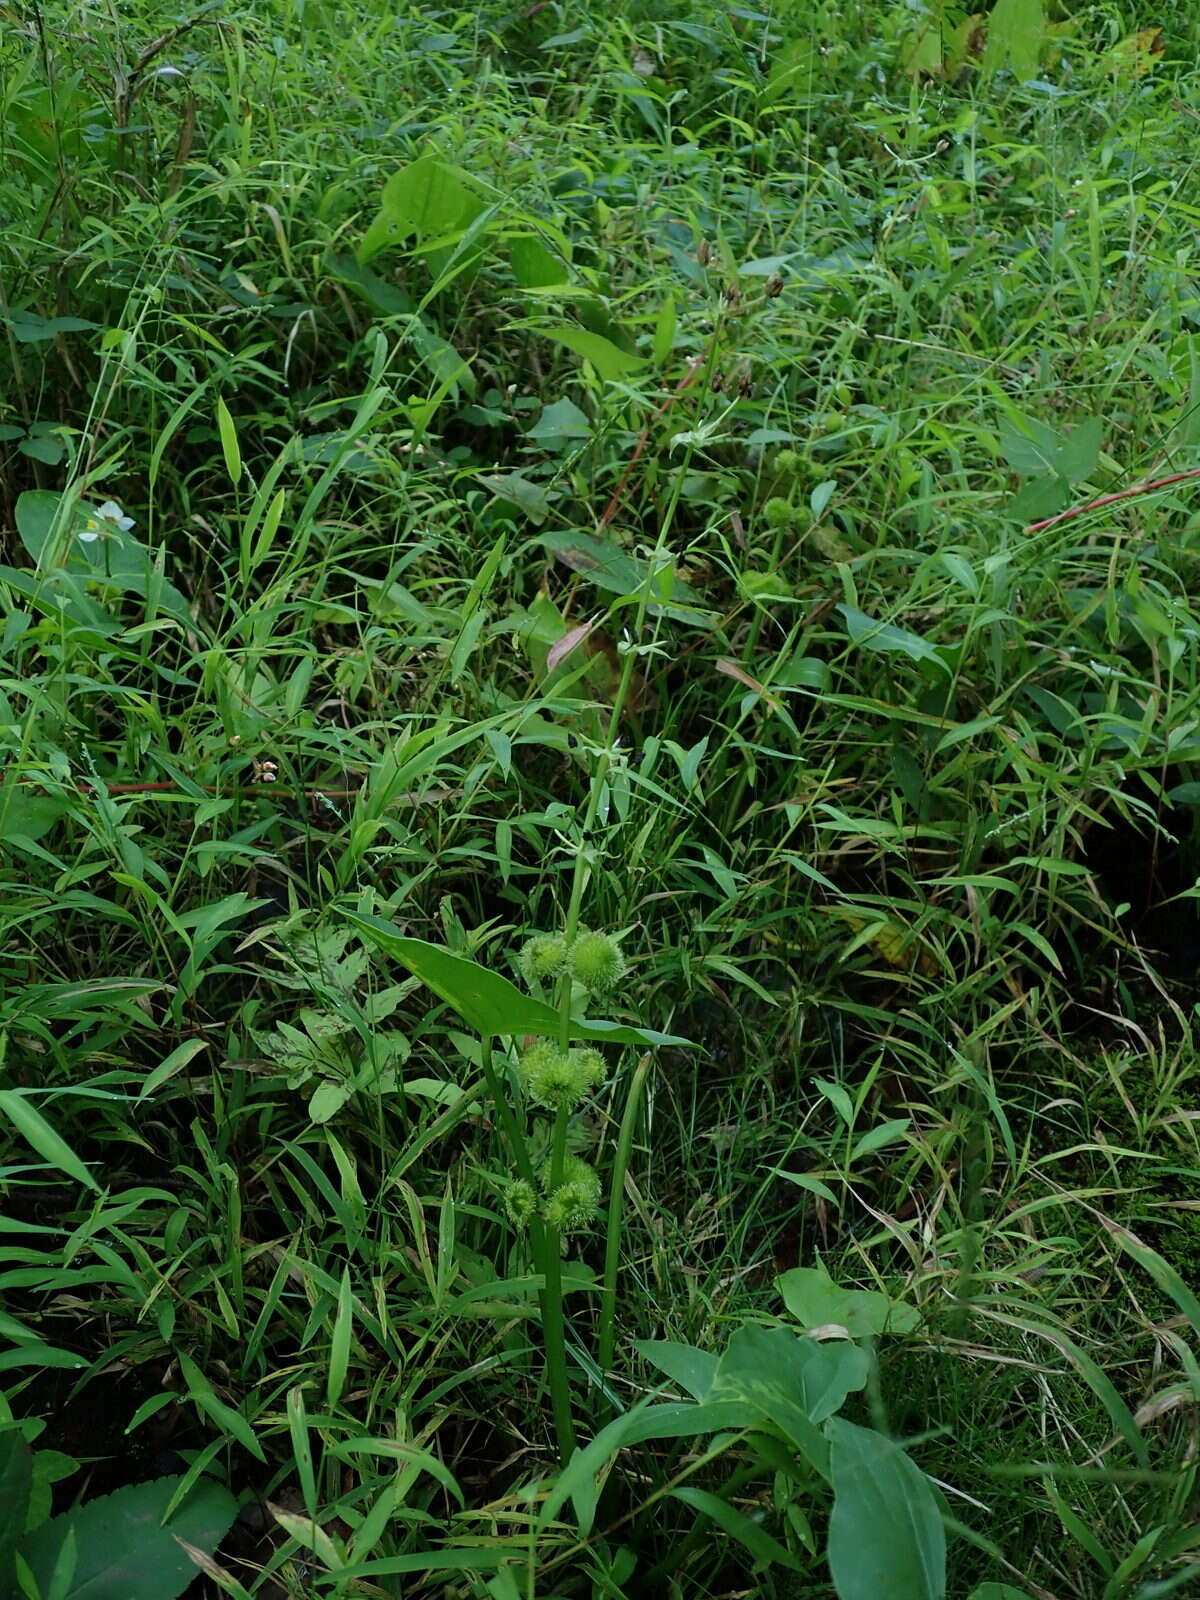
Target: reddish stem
[(1111, 499), (613, 505)]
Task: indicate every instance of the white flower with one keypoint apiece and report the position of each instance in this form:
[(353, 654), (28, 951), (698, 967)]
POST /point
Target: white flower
[(109, 519), (110, 511)]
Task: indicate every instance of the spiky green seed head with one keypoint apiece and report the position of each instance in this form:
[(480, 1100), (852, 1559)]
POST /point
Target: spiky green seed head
[(542, 958), (558, 1079), (595, 960), (777, 512), (575, 1170), (572, 1206), (520, 1202), (531, 1062), (787, 461)]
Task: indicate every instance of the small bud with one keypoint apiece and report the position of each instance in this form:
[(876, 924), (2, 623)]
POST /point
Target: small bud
[(595, 960), (704, 253), (773, 287), (745, 385), (717, 382), (733, 295), (542, 958)]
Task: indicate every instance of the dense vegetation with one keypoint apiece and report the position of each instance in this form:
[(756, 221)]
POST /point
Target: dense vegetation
[(621, 474)]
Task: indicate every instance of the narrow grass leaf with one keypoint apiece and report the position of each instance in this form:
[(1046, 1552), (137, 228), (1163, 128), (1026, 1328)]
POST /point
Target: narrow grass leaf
[(765, 1550), (215, 1409), (34, 1128)]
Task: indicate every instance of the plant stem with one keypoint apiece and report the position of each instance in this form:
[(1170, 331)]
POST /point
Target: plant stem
[(606, 1344), (554, 1327)]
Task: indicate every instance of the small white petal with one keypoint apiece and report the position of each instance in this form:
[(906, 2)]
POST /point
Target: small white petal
[(87, 537)]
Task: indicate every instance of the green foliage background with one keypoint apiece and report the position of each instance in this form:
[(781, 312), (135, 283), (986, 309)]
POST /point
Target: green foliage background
[(438, 359)]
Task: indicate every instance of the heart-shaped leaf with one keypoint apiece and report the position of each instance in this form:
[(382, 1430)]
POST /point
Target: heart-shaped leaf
[(813, 1298)]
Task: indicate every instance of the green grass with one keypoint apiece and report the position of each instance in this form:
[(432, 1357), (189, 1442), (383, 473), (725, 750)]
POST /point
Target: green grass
[(722, 335)]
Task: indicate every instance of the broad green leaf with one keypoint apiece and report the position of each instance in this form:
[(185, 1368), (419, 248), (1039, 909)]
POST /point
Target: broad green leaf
[(28, 328), (48, 451), (327, 1100), (427, 199), (886, 1536), (765, 1550), (1041, 497), (692, 1369), (562, 420), (796, 1383), (122, 1550), (34, 1128), (448, 367), (384, 297), (1034, 449), (610, 567), (609, 360), (868, 634), (1016, 31), (16, 1487), (487, 1000), (534, 265), (813, 1298), (37, 512), (1078, 455), (519, 491), (1029, 446), (49, 1467), (27, 814)]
